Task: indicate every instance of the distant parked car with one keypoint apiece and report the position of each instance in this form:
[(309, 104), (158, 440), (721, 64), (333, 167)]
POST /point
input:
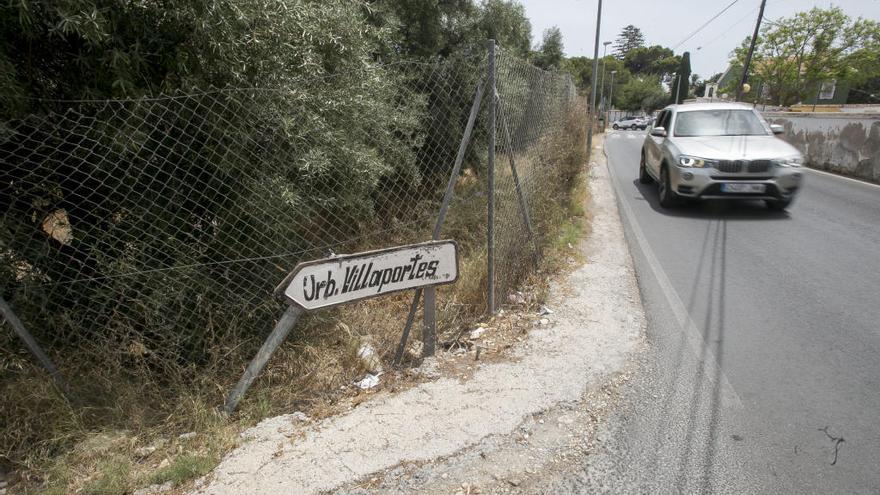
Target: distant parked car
[(719, 151), (630, 122)]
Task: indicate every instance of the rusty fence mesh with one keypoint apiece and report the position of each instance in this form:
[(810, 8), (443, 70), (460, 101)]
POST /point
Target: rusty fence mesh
[(540, 133), (146, 236)]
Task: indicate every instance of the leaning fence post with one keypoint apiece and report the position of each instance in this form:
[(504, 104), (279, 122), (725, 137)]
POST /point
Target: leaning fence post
[(410, 317), (523, 206), (490, 172), (279, 333), (429, 331), (31, 344)]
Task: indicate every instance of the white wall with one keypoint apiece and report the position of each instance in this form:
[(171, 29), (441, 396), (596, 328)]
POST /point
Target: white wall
[(844, 143)]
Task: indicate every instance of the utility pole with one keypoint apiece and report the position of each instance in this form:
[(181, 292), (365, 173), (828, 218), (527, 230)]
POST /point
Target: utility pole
[(610, 95), (745, 75), (593, 85), (602, 84)]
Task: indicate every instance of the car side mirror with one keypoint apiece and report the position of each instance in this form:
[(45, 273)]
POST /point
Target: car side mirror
[(658, 132), (777, 129)]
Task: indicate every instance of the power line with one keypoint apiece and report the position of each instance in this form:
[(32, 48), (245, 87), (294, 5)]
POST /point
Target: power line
[(741, 19), (735, 24), (705, 24)]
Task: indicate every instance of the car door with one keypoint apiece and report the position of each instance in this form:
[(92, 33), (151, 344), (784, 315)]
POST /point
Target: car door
[(654, 153)]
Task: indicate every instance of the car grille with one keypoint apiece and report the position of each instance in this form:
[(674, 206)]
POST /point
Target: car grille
[(730, 166), (759, 166), (737, 166)]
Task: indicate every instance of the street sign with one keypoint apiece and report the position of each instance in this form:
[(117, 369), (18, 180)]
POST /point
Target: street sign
[(342, 279)]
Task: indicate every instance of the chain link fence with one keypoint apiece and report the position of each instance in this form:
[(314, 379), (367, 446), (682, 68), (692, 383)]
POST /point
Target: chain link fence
[(141, 240), (541, 127)]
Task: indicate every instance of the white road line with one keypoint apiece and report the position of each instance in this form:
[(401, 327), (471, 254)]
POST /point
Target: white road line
[(692, 333), (857, 181)]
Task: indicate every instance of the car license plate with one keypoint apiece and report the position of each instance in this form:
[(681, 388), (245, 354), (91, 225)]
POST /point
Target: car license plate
[(743, 188)]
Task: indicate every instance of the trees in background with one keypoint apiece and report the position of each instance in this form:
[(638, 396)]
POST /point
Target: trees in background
[(640, 69), (655, 59), (698, 85), (550, 55), (645, 94), (867, 92), (629, 39), (581, 70), (680, 84), (794, 55)]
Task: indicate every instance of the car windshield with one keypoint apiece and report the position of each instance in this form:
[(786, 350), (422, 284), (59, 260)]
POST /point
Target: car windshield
[(718, 123)]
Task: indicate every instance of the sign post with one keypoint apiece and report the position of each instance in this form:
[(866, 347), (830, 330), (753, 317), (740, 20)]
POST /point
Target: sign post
[(344, 279)]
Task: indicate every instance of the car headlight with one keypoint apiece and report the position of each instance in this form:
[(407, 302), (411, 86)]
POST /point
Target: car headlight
[(693, 162), (790, 161)]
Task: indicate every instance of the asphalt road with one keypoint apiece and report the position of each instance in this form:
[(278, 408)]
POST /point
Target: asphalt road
[(762, 373)]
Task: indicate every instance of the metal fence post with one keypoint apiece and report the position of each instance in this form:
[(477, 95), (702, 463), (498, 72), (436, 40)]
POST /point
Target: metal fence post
[(429, 324), (523, 205), (429, 331), (410, 317), (31, 344), (279, 333), (490, 172)]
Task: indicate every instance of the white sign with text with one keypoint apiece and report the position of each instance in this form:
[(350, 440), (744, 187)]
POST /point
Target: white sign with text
[(343, 279)]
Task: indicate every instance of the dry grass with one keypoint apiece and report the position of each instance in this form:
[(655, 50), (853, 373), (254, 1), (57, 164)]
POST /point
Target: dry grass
[(130, 439)]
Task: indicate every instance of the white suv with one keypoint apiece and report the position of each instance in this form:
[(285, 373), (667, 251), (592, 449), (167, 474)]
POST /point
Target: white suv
[(630, 123), (719, 151)]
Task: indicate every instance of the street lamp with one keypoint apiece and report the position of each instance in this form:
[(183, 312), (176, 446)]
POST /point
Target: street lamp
[(592, 106), (602, 83), (610, 95)]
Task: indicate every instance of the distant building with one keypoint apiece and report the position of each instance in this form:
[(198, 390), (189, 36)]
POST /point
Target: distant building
[(718, 89), (829, 93)]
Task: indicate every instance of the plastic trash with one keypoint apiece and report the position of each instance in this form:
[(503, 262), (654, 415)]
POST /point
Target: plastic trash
[(369, 381)]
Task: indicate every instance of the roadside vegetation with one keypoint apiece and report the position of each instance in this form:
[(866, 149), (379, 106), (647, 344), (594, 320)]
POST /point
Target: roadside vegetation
[(173, 432), (146, 386)]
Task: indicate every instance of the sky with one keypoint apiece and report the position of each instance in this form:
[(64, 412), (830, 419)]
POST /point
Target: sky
[(669, 22)]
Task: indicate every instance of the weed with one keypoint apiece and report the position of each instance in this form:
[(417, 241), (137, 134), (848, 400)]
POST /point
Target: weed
[(113, 478), (183, 468)]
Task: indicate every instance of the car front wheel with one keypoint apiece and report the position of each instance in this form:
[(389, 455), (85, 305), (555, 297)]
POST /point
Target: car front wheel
[(667, 196), (644, 178), (615, 127)]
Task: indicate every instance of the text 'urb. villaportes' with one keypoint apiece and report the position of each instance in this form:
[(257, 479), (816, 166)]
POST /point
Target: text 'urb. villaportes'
[(360, 277)]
